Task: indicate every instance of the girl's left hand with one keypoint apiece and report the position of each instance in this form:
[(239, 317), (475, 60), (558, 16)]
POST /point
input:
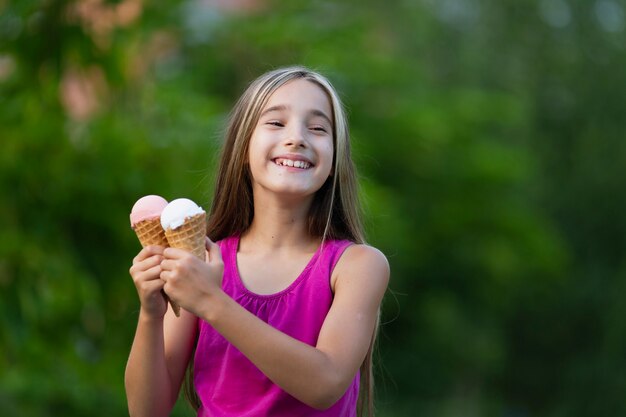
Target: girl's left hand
[(190, 281)]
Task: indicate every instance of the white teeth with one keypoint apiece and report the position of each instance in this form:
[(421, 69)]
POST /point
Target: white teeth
[(296, 164)]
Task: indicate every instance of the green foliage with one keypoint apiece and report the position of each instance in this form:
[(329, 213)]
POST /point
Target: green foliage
[(489, 140)]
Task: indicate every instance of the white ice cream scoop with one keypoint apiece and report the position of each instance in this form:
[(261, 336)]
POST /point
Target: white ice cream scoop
[(175, 213)]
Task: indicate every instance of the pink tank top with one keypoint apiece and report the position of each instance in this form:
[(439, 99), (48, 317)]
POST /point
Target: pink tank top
[(227, 383)]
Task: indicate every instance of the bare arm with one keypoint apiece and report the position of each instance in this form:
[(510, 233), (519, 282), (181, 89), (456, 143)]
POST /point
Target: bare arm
[(162, 346), (324, 371)]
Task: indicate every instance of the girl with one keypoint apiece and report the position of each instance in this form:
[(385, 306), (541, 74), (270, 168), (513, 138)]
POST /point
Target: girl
[(281, 318)]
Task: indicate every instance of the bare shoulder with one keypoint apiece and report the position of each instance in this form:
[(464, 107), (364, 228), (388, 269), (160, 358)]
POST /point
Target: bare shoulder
[(360, 255), (362, 264)]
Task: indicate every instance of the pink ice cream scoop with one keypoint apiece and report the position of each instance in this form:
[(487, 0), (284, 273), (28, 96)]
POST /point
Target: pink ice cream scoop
[(148, 207)]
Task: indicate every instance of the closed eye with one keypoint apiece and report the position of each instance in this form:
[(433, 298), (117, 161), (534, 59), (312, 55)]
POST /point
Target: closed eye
[(275, 123), (318, 129)]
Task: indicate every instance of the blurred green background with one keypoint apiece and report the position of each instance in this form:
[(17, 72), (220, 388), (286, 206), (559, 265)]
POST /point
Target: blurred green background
[(490, 140)]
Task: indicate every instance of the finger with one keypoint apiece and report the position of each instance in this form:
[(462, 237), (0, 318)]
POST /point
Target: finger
[(150, 274), (179, 265), (147, 252), (165, 276), (168, 264), (215, 253), (146, 264), (156, 249), (147, 287), (152, 261), (174, 253)]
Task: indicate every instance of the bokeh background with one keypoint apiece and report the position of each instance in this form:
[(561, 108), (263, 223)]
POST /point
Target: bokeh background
[(490, 140)]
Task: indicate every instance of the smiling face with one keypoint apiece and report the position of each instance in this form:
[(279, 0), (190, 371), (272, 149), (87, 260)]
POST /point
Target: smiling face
[(291, 148)]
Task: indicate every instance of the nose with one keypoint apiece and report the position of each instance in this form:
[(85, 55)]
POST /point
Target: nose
[(296, 137)]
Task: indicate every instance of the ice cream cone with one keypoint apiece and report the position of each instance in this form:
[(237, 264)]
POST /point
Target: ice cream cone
[(190, 236), (149, 232)]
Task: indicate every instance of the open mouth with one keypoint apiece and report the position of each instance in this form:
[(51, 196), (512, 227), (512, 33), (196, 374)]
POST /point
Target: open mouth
[(292, 163)]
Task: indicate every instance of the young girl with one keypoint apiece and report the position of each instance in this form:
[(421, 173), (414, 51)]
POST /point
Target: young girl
[(282, 316)]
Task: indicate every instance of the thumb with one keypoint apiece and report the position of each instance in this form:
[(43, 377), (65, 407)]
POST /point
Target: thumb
[(213, 251)]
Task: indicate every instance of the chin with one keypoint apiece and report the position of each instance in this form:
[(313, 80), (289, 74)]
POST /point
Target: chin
[(292, 191)]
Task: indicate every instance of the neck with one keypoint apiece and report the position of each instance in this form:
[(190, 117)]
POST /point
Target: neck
[(280, 223)]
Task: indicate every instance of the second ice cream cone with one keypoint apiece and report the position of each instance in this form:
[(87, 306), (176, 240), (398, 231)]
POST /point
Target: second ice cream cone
[(184, 223), (190, 236)]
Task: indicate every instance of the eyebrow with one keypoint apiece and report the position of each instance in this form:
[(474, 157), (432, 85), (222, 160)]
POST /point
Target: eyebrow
[(281, 107)]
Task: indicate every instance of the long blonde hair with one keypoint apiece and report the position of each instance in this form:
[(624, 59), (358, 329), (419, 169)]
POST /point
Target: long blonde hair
[(335, 212)]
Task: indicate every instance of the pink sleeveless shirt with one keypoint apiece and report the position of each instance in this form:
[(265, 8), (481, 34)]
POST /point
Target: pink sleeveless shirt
[(227, 383)]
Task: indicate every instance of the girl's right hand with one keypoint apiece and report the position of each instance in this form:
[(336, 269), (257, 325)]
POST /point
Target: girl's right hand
[(146, 271)]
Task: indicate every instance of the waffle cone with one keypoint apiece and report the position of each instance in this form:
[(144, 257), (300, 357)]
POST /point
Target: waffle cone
[(190, 236), (149, 232)]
